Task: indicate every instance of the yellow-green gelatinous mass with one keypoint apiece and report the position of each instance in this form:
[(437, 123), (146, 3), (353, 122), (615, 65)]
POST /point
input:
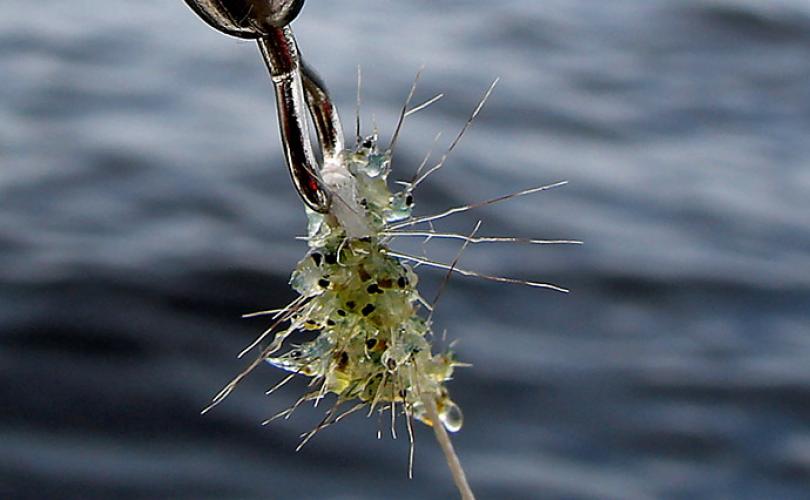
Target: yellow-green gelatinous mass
[(363, 304)]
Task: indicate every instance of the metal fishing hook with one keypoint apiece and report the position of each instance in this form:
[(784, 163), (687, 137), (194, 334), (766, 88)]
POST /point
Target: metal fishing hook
[(296, 85)]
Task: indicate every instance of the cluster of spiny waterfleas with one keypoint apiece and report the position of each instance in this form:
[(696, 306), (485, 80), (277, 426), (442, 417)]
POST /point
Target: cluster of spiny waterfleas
[(371, 344)]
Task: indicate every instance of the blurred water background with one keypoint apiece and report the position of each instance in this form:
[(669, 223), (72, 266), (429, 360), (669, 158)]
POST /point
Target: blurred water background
[(144, 206)]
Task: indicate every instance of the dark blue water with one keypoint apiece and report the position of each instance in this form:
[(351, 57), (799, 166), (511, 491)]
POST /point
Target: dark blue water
[(144, 206)]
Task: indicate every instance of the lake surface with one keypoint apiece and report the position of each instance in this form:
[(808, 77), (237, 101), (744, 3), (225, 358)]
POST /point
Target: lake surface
[(144, 206)]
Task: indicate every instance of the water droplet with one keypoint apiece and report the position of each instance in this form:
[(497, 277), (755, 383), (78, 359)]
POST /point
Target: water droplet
[(451, 416)]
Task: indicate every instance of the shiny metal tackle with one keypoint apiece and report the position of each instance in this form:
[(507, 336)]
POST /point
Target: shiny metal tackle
[(296, 85)]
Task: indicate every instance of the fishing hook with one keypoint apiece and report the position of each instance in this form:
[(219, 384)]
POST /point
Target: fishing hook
[(296, 85)]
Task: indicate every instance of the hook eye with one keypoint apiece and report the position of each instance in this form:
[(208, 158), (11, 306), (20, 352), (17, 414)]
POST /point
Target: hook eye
[(248, 19)]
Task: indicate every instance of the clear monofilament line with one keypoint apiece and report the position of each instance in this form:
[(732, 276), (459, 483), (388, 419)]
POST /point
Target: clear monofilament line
[(459, 476)]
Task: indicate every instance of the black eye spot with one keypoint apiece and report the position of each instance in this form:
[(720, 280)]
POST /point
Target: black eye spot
[(409, 200), (368, 309), (341, 312), (368, 142), (323, 282), (316, 257), (370, 343), (342, 360), (296, 354)]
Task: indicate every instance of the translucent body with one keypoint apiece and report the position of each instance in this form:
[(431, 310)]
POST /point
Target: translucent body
[(371, 344)]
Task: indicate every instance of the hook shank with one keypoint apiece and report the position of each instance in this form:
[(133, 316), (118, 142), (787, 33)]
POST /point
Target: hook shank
[(280, 53)]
